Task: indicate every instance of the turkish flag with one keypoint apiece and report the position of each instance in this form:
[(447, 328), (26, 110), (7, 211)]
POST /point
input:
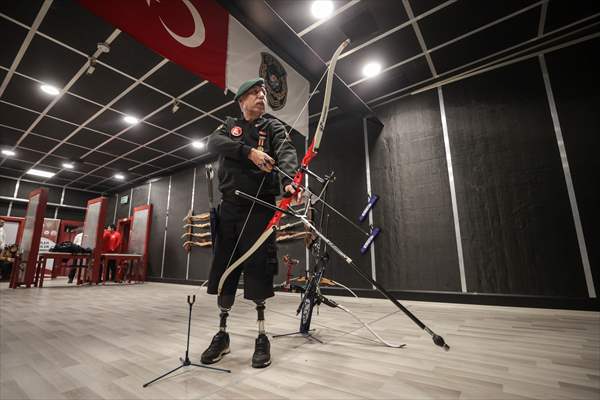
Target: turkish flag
[(191, 33)]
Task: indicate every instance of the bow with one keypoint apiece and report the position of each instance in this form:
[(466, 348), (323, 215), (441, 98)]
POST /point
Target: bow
[(312, 151)]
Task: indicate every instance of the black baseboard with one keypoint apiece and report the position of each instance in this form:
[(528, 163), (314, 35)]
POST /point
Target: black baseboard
[(567, 303)]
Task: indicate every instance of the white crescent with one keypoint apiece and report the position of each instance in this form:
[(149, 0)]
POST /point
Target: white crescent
[(199, 34)]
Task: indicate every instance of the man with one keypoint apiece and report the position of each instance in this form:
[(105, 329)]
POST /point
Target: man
[(77, 241), (111, 242), (248, 148)]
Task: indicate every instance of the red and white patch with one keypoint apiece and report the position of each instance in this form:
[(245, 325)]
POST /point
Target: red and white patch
[(236, 131)]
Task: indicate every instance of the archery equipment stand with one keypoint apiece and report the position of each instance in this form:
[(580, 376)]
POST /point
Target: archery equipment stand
[(185, 362)]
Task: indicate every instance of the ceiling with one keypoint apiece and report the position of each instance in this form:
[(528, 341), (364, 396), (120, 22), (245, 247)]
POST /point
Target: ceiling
[(417, 42)]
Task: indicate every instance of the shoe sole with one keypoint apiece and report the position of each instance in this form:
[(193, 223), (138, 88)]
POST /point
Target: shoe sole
[(214, 360), (261, 365)]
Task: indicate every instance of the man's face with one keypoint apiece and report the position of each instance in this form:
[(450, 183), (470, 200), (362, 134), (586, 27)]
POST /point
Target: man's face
[(110, 228), (254, 100)]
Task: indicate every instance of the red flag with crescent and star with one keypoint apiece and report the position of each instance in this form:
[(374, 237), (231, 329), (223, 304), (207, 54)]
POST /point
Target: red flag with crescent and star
[(203, 38), (191, 33)]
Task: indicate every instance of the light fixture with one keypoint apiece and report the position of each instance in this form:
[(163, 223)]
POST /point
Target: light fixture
[(119, 176), (130, 120), (175, 106), (321, 9), (371, 69), (68, 165), (50, 90), (42, 173), (197, 144), (8, 152), (92, 66), (103, 47)]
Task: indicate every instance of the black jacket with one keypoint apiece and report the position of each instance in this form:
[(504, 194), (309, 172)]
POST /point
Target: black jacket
[(234, 139)]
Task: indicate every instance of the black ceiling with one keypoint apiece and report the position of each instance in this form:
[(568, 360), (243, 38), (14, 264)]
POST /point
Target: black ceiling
[(85, 124)]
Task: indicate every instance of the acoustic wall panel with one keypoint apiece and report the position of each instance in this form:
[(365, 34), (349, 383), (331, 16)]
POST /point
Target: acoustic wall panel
[(517, 229), (342, 151), (158, 198), (575, 82), (417, 249), (139, 197), (181, 196)]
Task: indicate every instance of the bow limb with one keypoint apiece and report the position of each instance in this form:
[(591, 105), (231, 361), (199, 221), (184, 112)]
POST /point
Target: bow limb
[(261, 240), (299, 176)]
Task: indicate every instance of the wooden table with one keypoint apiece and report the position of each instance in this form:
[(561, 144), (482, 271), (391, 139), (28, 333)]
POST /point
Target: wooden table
[(62, 257), (121, 258)]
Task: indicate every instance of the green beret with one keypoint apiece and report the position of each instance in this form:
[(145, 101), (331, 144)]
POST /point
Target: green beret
[(244, 87)]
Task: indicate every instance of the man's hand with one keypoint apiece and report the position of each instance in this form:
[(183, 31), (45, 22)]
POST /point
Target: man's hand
[(262, 160), (293, 190)]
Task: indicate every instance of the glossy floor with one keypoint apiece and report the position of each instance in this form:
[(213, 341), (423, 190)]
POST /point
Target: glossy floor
[(64, 342)]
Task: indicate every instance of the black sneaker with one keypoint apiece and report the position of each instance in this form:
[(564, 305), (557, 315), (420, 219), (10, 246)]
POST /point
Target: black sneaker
[(262, 352), (217, 349)]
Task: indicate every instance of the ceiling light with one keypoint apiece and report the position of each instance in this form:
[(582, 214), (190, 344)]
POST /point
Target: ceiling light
[(197, 144), (371, 69), (175, 106), (68, 165), (119, 176), (92, 66), (42, 173), (103, 47), (9, 153), (322, 9), (130, 120), (50, 89)]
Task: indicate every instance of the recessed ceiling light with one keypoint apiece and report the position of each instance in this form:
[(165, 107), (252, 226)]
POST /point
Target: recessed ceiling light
[(119, 176), (130, 120), (197, 144), (321, 9), (42, 173), (371, 69), (9, 153), (50, 89), (68, 165)]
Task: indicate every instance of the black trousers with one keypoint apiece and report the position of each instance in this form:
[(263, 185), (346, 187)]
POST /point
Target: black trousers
[(260, 268)]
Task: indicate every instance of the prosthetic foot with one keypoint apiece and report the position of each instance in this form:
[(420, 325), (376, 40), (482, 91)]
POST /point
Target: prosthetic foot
[(262, 352), (217, 349)]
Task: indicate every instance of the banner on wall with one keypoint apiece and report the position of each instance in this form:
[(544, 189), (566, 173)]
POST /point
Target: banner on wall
[(202, 37), (49, 236)]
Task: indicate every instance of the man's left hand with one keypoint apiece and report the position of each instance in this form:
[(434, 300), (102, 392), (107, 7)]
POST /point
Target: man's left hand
[(294, 191)]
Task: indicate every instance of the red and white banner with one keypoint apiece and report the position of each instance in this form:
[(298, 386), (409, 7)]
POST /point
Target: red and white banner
[(202, 37)]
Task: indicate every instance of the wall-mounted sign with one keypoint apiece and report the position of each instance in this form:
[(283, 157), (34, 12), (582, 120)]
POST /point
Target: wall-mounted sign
[(124, 199)]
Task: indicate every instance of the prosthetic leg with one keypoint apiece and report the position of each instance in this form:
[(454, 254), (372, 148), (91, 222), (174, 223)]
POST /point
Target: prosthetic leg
[(219, 345), (262, 348)]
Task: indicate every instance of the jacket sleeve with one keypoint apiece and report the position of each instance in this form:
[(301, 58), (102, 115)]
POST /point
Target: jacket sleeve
[(285, 152), (219, 142)]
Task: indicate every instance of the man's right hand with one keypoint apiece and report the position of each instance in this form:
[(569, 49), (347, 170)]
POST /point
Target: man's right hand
[(262, 160)]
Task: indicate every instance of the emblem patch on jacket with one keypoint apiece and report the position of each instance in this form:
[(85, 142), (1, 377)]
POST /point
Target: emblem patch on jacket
[(236, 131), (275, 77)]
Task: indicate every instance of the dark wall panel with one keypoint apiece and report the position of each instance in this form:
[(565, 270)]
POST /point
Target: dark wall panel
[(78, 198), (7, 187), (342, 151), (417, 250), (54, 193), (181, 197), (139, 197), (18, 209), (158, 198), (201, 257), (123, 209), (517, 230), (50, 210), (70, 213), (110, 209), (575, 84), (3, 207)]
